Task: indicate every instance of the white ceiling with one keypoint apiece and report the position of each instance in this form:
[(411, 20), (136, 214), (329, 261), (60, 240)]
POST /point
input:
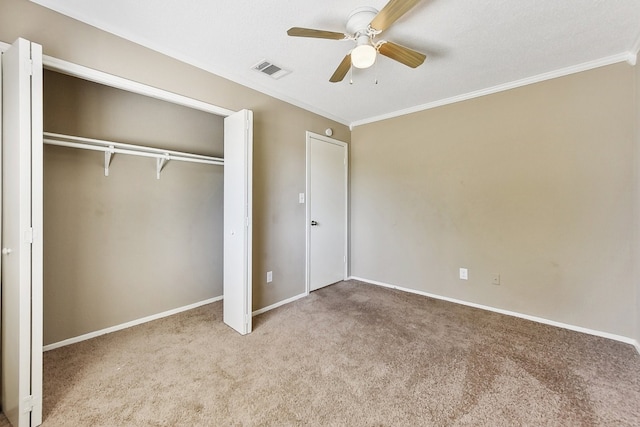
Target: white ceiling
[(472, 47)]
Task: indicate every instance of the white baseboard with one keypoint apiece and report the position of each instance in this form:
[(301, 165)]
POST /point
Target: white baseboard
[(608, 335), (128, 324), (278, 304)]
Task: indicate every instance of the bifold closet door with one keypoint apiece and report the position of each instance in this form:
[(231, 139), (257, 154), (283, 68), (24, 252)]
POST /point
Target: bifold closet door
[(22, 233), (238, 166)]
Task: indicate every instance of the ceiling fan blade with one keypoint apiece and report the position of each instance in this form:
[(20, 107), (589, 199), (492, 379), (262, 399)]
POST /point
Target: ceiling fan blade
[(318, 34), (402, 54), (342, 70), (391, 13)]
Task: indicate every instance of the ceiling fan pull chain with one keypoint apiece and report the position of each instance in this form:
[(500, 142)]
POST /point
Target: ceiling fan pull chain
[(351, 75), (375, 72)]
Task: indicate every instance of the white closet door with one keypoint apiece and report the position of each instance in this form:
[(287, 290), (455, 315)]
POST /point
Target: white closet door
[(22, 233), (238, 166)]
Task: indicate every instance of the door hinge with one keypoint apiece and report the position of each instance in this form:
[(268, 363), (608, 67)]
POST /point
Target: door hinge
[(29, 64), (28, 404), (28, 235)]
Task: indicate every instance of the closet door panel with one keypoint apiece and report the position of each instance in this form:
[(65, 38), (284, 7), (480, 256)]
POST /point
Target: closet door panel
[(238, 155), (21, 233)]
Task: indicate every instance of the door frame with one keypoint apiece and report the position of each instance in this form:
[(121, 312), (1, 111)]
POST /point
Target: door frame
[(309, 135), (96, 76)]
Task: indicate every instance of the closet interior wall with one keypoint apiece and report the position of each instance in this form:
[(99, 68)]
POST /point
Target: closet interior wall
[(126, 246)]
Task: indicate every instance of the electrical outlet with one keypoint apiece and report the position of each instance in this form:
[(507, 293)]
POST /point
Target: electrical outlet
[(464, 274), (269, 276), (300, 197), (496, 279)]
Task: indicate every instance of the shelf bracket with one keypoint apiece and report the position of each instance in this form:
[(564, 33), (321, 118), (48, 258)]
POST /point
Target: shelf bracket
[(107, 159), (161, 163)]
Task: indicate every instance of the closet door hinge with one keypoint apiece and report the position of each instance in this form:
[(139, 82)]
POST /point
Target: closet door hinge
[(29, 65), (28, 404), (28, 235)]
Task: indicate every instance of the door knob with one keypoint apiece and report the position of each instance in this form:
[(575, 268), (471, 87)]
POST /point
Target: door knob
[(314, 222), (6, 251)]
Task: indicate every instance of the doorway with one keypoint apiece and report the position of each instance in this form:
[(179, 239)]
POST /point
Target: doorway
[(327, 195)]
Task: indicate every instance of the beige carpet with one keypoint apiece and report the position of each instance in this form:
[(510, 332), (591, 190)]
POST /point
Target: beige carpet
[(348, 355)]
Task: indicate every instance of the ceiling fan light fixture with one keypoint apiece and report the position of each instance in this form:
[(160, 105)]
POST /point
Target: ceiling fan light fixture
[(363, 56), (364, 24)]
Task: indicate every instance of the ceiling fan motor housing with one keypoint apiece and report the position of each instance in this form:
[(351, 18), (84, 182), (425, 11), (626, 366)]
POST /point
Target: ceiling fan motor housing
[(359, 19)]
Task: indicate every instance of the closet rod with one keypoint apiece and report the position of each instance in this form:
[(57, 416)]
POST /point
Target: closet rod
[(115, 150), (118, 147)]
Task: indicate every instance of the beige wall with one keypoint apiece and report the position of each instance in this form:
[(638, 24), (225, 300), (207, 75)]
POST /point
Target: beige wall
[(535, 184), (279, 131)]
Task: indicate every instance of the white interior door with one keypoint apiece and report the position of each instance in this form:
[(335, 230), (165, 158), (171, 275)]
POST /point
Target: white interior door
[(238, 195), (326, 211), (21, 233)]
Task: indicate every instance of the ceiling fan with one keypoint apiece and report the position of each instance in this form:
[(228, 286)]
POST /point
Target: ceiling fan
[(363, 26)]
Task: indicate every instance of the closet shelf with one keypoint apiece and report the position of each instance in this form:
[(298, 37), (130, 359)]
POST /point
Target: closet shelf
[(110, 148)]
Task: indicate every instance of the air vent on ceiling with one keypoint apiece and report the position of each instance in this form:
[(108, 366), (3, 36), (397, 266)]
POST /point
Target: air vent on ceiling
[(270, 69)]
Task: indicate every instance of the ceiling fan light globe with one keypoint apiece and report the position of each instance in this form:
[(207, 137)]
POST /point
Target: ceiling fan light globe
[(363, 56)]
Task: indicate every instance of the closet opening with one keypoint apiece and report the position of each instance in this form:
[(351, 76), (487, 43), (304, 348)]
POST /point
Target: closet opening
[(127, 236)]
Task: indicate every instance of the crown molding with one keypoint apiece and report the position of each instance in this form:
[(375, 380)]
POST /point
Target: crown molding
[(628, 57), (635, 49)]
